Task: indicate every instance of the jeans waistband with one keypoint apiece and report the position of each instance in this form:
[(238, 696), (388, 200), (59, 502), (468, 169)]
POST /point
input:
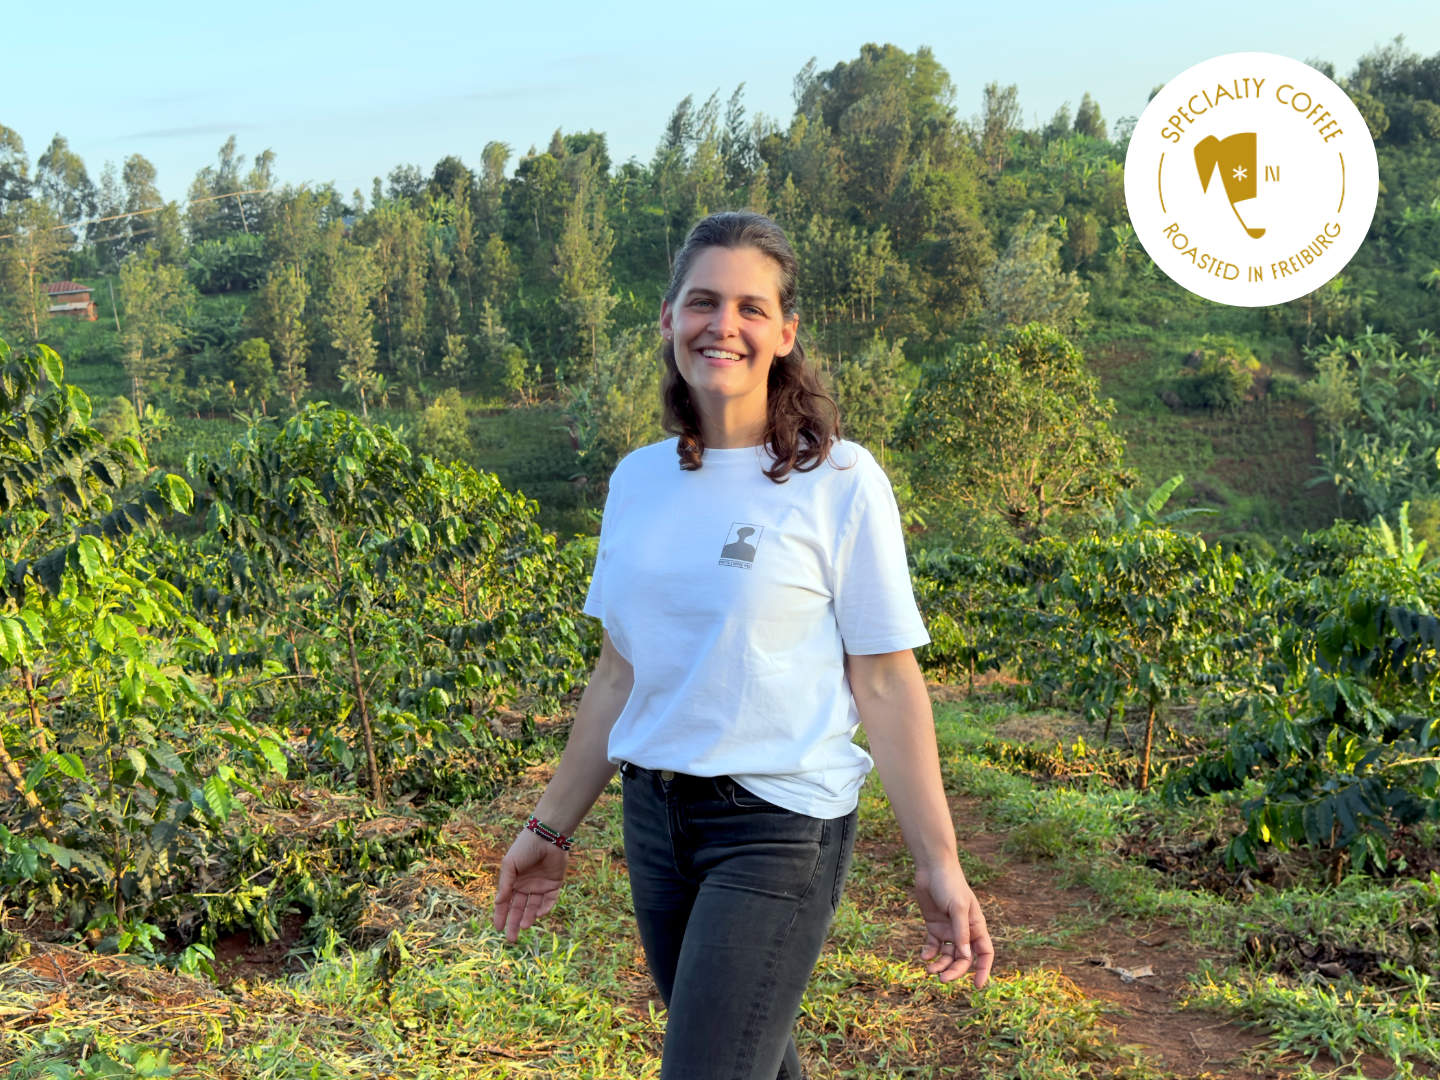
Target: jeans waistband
[(630, 769)]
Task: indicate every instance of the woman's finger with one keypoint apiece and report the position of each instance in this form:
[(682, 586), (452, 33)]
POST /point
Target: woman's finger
[(983, 947), (516, 922), (502, 894)]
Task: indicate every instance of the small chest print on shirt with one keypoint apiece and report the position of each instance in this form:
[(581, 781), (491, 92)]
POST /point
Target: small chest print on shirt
[(741, 544)]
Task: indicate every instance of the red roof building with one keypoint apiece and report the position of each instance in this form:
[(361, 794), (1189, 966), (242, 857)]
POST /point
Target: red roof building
[(72, 299)]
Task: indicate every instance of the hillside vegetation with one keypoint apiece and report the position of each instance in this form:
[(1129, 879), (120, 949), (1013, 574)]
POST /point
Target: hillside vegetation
[(295, 535)]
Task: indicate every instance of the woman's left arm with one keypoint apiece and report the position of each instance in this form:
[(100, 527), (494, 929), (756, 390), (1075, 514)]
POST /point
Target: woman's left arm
[(894, 707)]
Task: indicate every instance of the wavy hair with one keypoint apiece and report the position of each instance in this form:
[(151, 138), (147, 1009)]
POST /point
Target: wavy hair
[(801, 418)]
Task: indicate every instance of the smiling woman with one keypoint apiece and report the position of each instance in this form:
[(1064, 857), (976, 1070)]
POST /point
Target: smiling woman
[(752, 582), (723, 337)]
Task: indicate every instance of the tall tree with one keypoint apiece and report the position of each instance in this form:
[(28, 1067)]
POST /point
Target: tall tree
[(297, 216), (210, 218), (62, 182), (157, 299), (33, 258), (465, 237), (668, 169), (154, 222), (14, 170), (489, 217), (1027, 285), (1088, 120), (395, 234), (497, 275), (1000, 118), (737, 147), (109, 204), (582, 265), (350, 321), (281, 316)]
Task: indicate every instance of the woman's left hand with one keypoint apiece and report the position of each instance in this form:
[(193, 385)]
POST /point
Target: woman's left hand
[(956, 938)]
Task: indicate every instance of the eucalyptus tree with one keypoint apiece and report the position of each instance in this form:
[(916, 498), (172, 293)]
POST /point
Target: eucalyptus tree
[(157, 300), (1000, 118), (153, 222), (1026, 283), (1088, 121), (582, 257), (14, 169), (280, 315), (31, 258), (394, 231), (62, 181), (348, 319)]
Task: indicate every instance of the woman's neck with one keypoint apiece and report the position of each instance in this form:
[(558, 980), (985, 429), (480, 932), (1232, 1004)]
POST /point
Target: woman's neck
[(732, 432)]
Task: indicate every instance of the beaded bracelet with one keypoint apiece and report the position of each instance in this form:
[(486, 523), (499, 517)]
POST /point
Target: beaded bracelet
[(546, 833)]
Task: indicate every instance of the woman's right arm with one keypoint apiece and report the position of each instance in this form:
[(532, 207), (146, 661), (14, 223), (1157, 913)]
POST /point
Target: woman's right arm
[(533, 869), (584, 771)]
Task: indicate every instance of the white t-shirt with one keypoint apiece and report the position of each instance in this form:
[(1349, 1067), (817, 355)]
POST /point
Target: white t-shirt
[(734, 599)]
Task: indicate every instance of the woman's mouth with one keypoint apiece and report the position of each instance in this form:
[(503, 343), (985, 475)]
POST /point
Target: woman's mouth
[(720, 357)]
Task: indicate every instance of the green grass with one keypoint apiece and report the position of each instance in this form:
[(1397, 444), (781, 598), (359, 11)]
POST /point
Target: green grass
[(1344, 1020)]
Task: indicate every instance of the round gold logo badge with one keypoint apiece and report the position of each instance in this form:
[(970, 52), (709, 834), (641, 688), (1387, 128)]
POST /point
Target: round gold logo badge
[(1251, 179)]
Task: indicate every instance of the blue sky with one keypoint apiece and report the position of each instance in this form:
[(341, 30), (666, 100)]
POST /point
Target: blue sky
[(345, 92)]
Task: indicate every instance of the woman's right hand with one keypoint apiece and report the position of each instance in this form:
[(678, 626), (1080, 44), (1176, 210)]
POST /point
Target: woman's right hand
[(530, 878)]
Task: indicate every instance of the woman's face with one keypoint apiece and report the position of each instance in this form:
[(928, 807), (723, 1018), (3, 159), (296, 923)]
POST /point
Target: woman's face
[(727, 326)]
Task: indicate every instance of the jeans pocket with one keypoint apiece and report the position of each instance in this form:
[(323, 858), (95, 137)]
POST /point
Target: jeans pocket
[(745, 799)]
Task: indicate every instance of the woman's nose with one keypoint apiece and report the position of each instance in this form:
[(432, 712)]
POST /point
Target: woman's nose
[(723, 320)]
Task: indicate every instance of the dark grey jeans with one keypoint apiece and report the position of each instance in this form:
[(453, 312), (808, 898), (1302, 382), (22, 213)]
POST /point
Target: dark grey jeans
[(734, 897)]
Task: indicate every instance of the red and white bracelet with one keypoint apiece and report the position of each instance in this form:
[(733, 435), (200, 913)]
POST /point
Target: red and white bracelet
[(544, 831)]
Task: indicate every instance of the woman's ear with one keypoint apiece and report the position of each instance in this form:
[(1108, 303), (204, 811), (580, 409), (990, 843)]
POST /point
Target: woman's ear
[(666, 330), (787, 336)]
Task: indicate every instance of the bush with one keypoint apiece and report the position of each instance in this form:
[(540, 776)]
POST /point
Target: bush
[(1284, 387), (445, 428), (1219, 374)]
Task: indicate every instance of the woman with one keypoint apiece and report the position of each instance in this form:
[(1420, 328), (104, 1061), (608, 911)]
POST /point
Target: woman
[(752, 583)]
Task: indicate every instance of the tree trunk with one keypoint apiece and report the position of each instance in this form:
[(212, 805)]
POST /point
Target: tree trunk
[(17, 781), (1149, 741), (34, 305), (376, 793), (372, 765), (27, 679)]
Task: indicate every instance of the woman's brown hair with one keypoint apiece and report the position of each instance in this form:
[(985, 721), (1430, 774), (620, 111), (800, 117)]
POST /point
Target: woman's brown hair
[(801, 418)]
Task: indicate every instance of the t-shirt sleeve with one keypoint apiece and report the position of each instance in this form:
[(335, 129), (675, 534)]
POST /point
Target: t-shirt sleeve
[(874, 602), (595, 597)]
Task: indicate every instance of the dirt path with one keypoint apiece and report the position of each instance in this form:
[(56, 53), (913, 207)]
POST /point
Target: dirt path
[(1035, 922), (1024, 902)]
